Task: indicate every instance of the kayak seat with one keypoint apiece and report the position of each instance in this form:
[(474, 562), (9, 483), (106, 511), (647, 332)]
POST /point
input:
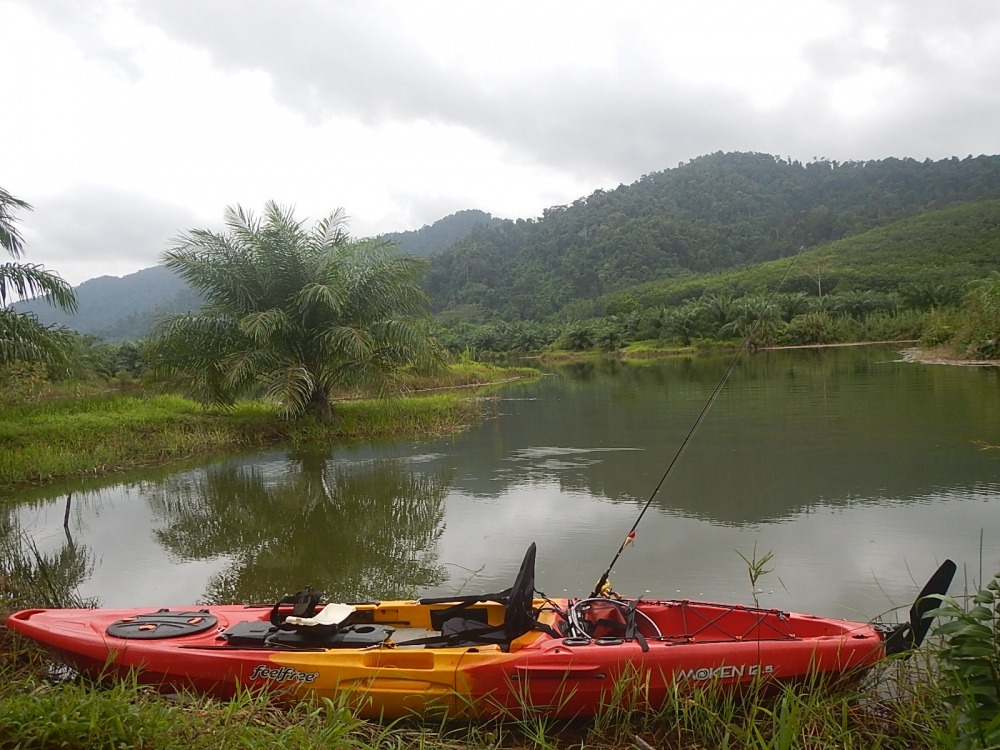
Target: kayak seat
[(468, 631), (463, 626)]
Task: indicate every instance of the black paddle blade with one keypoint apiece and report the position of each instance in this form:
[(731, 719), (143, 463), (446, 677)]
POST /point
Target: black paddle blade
[(909, 635)]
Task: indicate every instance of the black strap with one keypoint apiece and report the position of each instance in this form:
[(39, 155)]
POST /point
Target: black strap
[(462, 602), (632, 627)]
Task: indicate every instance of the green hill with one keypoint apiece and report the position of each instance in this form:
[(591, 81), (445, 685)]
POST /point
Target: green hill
[(946, 247), (442, 234), (120, 309), (717, 212)]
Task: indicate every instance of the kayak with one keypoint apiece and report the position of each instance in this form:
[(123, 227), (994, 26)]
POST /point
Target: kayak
[(508, 654)]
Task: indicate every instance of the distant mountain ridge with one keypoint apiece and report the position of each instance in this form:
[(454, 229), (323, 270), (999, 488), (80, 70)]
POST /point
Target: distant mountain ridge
[(442, 234), (120, 309)]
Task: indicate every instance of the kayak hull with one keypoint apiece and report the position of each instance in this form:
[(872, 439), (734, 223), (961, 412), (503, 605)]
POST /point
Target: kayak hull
[(678, 644)]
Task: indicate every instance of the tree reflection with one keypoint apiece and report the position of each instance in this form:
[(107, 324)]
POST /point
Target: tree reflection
[(31, 578), (357, 531)]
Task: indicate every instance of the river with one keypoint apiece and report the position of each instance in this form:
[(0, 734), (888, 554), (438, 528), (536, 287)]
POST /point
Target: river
[(858, 471)]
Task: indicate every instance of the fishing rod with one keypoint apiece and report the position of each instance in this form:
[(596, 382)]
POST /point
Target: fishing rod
[(630, 537)]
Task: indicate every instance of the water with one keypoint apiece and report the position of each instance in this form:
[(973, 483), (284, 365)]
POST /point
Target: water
[(858, 471)]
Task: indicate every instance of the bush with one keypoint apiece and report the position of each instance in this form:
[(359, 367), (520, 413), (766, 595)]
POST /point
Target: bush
[(22, 382), (971, 656)]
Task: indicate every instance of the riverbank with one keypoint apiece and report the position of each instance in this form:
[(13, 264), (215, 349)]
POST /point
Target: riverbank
[(644, 351), (943, 356), (51, 440)]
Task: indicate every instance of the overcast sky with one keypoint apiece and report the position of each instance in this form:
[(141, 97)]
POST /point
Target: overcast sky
[(125, 123)]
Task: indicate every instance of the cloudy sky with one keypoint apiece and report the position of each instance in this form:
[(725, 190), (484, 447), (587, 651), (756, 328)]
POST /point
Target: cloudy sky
[(126, 122)]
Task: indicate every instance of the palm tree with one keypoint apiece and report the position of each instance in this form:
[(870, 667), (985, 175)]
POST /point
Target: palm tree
[(293, 313), (684, 323), (22, 337)]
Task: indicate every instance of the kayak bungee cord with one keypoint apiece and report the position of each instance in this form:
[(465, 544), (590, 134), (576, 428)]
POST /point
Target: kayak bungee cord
[(602, 588)]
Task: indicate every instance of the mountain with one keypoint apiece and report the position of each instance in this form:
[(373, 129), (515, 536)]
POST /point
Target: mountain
[(120, 309), (442, 234), (937, 250), (716, 212)]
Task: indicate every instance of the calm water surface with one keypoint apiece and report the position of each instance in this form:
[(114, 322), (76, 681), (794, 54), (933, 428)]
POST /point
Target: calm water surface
[(858, 471)]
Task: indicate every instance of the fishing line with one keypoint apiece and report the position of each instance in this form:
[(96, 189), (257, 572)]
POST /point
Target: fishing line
[(694, 427)]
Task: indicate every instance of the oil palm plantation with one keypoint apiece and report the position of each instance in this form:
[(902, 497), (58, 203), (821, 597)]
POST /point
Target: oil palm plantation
[(292, 314), (22, 337)]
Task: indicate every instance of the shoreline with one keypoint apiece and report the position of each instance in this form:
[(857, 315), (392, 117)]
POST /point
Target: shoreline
[(915, 354), (941, 356)]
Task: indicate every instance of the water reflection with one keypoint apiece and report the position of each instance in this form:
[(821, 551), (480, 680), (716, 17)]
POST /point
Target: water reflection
[(352, 530), (49, 578)]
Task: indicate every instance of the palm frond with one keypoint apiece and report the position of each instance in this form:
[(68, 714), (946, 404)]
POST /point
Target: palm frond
[(291, 387), (26, 280), (265, 325), (22, 337), (222, 270), (330, 232), (10, 236), (329, 298), (346, 342), (189, 352), (246, 370)]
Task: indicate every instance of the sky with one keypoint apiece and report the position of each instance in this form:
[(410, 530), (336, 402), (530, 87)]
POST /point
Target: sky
[(128, 122)]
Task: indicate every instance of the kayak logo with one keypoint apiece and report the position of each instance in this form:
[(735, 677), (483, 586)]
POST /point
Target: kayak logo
[(281, 674), (726, 672)]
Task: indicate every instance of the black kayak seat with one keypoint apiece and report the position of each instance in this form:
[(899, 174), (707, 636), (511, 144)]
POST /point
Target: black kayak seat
[(461, 626)]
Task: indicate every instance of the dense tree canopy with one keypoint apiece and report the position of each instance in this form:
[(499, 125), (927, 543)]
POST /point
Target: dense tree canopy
[(716, 212), (294, 314), (22, 337)]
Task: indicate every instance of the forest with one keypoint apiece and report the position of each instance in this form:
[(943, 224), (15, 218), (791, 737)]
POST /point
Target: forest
[(716, 212)]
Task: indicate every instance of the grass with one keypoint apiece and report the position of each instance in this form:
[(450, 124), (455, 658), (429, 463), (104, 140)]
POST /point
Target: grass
[(36, 713), (45, 441)]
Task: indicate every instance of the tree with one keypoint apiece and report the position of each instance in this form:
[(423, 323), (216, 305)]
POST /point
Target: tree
[(22, 337), (684, 323), (297, 315)]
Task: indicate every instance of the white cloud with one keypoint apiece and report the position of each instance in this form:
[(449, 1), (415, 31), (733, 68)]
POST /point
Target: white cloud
[(405, 112)]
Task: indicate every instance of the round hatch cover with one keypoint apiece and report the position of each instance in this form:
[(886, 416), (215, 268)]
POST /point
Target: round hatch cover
[(163, 624)]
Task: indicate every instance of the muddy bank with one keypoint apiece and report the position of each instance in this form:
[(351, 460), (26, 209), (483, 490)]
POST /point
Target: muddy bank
[(940, 356)]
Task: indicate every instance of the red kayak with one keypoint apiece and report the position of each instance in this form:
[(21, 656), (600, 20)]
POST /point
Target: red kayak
[(493, 655)]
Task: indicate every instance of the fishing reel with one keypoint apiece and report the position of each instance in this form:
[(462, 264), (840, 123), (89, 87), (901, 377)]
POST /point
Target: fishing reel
[(606, 592)]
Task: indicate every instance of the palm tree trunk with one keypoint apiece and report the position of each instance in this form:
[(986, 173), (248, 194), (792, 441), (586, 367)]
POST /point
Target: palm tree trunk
[(320, 407)]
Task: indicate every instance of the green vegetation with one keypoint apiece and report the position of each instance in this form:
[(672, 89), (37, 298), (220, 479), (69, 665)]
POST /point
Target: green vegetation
[(22, 337), (294, 315), (971, 657), (886, 250), (98, 434), (929, 278), (717, 212)]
